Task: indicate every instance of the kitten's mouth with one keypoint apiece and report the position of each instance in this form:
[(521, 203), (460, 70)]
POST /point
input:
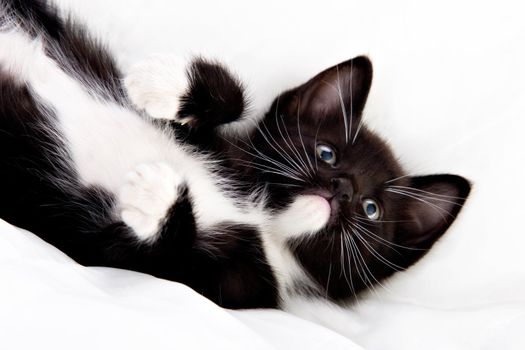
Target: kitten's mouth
[(335, 205)]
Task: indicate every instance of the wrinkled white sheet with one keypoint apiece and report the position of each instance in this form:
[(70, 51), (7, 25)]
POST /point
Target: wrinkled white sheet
[(47, 301), (448, 94)]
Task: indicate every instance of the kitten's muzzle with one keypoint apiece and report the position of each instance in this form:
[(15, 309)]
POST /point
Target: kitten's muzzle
[(343, 189)]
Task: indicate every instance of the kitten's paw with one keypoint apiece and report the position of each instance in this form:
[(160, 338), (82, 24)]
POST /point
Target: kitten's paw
[(306, 215), (149, 192), (156, 85)]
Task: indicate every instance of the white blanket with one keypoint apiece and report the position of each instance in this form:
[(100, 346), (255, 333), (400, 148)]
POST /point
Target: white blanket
[(449, 95)]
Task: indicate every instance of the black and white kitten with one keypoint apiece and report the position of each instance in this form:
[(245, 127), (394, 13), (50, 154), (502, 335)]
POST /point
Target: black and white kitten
[(309, 205)]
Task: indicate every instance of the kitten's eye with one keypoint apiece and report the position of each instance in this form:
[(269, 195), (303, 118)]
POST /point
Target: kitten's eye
[(326, 154), (371, 209)]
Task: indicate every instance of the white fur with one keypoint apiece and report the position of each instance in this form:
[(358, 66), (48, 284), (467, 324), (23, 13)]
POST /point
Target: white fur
[(305, 216), (107, 141), (110, 144), (149, 192), (156, 85)]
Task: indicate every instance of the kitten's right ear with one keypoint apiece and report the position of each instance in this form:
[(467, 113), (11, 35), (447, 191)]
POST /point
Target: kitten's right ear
[(337, 91), (431, 205)]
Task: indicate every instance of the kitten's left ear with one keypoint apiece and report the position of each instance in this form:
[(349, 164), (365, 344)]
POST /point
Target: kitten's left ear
[(432, 204), (343, 87)]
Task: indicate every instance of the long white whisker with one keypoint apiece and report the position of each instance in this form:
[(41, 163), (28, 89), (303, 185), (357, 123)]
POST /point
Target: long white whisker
[(406, 188), (370, 272), (275, 149), (291, 145), (343, 107), (359, 126), (301, 139), (418, 198), (376, 254)]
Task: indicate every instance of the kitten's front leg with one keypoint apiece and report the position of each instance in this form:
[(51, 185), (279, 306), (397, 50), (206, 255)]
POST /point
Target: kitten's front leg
[(145, 200), (306, 215), (202, 94), (157, 84)]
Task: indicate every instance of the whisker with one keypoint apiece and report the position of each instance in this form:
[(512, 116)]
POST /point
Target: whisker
[(359, 126), (301, 137), (423, 191), (291, 144), (376, 254), (315, 147), (367, 269), (380, 239), (264, 157), (398, 178), (350, 241), (343, 108), (440, 210), (276, 150)]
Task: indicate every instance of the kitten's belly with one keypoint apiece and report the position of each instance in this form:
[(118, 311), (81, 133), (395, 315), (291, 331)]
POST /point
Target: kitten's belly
[(105, 140)]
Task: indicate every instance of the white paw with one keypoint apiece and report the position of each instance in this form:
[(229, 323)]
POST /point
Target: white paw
[(156, 84), (306, 215), (148, 193)]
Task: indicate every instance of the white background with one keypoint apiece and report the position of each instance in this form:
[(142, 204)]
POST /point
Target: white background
[(448, 94)]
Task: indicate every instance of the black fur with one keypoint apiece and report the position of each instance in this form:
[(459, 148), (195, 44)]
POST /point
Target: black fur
[(352, 253), (72, 47), (41, 191)]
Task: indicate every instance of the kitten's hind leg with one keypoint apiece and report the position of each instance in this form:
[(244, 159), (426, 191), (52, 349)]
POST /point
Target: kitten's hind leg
[(203, 94)]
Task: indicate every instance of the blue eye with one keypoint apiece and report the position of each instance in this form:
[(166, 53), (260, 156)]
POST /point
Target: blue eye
[(371, 209), (326, 154)]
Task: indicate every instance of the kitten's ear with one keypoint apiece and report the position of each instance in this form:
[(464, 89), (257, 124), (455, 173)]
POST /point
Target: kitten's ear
[(343, 86), (432, 204)]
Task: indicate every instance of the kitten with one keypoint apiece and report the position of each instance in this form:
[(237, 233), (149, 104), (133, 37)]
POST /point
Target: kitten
[(309, 205), (346, 215)]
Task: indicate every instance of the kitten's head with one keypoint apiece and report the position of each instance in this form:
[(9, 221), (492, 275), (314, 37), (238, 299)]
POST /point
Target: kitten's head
[(312, 143)]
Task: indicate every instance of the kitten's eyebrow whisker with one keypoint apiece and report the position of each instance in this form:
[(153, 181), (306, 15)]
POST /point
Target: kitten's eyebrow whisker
[(398, 178), (343, 107), (425, 199), (315, 147), (301, 137), (407, 188), (359, 126), (416, 197)]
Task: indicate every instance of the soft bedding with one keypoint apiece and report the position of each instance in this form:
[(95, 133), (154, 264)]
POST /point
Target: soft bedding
[(448, 95)]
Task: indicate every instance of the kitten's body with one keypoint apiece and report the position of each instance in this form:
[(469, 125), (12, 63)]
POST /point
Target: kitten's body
[(273, 224)]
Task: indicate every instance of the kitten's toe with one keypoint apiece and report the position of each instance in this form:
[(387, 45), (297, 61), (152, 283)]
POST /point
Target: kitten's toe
[(156, 85), (149, 192)]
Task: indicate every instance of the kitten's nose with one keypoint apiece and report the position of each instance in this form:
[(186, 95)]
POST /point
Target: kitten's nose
[(343, 188)]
